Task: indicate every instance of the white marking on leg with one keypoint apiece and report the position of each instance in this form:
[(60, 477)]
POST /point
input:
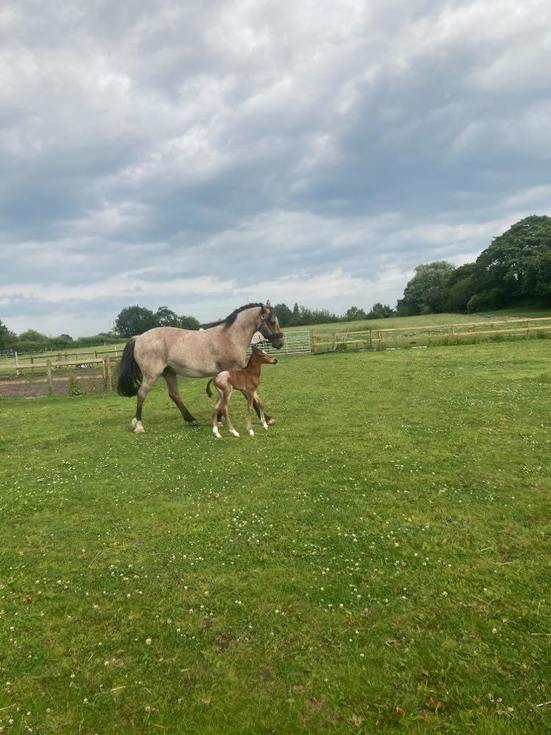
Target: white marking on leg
[(251, 432), (134, 422), (216, 432), (264, 424), (234, 432)]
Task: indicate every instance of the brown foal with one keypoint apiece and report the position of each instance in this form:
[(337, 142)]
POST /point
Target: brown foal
[(247, 381)]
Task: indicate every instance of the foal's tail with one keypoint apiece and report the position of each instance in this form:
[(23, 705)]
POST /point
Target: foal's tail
[(130, 375), (209, 392)]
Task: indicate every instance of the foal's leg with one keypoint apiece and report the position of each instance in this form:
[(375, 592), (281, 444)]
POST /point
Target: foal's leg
[(216, 413), (226, 411), (172, 384), (261, 414), (250, 400), (270, 420)]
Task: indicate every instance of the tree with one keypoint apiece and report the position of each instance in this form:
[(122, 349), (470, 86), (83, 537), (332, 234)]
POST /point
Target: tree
[(31, 335), (284, 314), (134, 320), (354, 314), (188, 322), (426, 291), (516, 267), (295, 316), (165, 317), (380, 311), (7, 338), (460, 288)]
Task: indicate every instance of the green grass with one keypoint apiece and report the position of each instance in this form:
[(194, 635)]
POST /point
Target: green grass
[(377, 562)]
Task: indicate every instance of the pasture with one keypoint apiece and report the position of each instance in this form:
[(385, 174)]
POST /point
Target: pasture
[(376, 562)]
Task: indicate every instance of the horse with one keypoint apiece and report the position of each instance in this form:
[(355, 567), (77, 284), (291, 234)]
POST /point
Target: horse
[(169, 351), (247, 381)]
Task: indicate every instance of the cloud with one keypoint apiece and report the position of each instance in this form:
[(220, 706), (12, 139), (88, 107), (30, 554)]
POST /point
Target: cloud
[(190, 153)]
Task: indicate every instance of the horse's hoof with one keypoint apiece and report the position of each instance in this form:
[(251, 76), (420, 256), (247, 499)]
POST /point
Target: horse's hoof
[(265, 426), (251, 432), (235, 433), (271, 421), (194, 422), (134, 422), (138, 429), (217, 434)]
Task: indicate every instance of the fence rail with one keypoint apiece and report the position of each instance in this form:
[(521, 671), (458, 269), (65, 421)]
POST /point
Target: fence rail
[(97, 364), (398, 336), (295, 343)]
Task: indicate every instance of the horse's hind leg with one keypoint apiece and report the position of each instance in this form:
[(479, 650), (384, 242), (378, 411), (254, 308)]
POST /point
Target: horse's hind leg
[(172, 384)]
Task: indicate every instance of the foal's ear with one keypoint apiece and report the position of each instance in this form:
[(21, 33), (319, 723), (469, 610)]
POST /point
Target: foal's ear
[(268, 304)]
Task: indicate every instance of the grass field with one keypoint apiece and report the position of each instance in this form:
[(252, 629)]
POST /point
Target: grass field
[(376, 562)]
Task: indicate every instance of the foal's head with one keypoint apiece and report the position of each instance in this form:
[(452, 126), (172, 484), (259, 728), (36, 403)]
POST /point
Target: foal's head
[(259, 357)]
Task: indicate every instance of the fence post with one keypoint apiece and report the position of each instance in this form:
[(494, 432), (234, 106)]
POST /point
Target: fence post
[(108, 374), (50, 380), (16, 364), (370, 339)]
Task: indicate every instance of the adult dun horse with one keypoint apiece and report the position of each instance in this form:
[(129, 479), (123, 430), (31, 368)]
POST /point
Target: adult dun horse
[(169, 351)]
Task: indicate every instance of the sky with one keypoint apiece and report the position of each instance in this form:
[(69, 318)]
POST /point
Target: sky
[(202, 155)]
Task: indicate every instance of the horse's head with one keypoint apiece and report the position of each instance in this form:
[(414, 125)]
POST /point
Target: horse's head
[(262, 357), (269, 326)]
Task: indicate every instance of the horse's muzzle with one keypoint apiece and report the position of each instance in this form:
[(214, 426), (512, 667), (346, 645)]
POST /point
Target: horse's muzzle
[(277, 341)]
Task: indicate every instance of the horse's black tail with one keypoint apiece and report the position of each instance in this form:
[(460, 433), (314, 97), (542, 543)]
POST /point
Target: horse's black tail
[(130, 375), (209, 392)]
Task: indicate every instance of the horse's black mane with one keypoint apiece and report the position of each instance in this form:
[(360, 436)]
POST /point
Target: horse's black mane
[(229, 320)]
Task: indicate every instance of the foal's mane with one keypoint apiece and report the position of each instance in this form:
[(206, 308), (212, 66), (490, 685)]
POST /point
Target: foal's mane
[(229, 320)]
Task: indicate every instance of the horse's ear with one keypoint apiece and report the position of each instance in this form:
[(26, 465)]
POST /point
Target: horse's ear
[(268, 304)]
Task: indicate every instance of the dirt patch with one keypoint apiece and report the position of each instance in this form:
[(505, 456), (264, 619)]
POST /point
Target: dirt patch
[(34, 388)]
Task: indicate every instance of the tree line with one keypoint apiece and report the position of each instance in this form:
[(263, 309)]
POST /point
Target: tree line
[(131, 320), (137, 319), (514, 270)]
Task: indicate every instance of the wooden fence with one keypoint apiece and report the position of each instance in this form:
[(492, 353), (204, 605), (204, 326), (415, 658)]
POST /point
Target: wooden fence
[(48, 367), (378, 339), (38, 361), (98, 365)]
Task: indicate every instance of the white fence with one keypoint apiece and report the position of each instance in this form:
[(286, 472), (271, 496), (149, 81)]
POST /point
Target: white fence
[(295, 343)]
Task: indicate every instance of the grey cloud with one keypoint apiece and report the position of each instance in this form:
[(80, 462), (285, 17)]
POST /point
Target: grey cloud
[(151, 143)]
